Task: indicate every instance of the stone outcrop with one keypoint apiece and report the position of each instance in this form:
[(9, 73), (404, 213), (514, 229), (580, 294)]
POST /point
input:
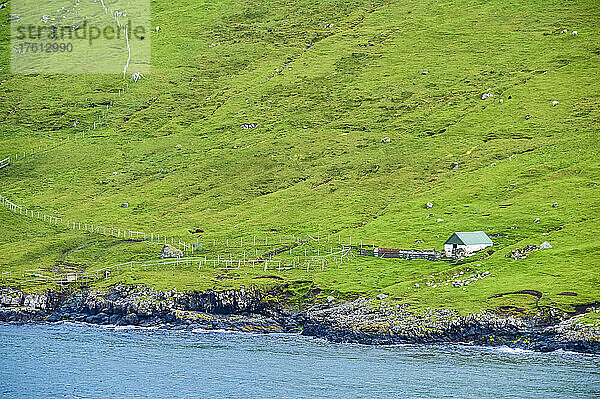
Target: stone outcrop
[(251, 310), (360, 321), (169, 251)]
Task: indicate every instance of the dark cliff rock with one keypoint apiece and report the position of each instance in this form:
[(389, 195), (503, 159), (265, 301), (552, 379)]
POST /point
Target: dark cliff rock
[(246, 309), (359, 321)]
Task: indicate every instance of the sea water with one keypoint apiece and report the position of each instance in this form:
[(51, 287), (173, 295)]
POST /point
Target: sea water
[(67, 360)]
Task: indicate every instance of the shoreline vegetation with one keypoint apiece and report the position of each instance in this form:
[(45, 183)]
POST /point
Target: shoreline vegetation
[(364, 321)]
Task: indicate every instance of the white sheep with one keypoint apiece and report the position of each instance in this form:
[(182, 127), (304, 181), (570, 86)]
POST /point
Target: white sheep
[(555, 103), (136, 76), (564, 31), (574, 33), (157, 28)]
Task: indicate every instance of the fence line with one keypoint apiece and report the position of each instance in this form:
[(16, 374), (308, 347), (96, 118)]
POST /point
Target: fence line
[(115, 270), (186, 247), (157, 238), (91, 228)]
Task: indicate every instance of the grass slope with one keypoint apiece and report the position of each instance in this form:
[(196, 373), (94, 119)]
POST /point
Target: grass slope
[(323, 97)]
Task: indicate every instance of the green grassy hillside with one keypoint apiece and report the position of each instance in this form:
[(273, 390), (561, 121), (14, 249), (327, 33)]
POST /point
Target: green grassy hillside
[(326, 82)]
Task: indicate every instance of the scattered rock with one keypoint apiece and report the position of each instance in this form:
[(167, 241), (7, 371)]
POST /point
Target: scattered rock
[(385, 140), (381, 296), (169, 251), (555, 205), (125, 205), (160, 170), (545, 245), (486, 95), (249, 125), (522, 253), (429, 205), (454, 165), (330, 299)]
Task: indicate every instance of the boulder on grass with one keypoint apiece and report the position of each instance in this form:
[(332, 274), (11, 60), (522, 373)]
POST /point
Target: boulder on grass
[(169, 251)]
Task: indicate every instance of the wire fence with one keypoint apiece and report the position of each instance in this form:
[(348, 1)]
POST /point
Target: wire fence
[(41, 276), (274, 244)]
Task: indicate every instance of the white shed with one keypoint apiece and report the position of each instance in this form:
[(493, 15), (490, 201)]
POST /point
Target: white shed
[(467, 243)]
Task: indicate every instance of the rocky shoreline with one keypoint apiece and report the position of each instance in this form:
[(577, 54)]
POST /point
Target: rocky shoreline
[(250, 310)]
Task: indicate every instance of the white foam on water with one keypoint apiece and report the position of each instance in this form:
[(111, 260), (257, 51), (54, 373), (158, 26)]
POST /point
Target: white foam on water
[(117, 328), (515, 351)]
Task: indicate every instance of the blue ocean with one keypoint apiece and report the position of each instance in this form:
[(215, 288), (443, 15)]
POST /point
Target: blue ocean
[(67, 360)]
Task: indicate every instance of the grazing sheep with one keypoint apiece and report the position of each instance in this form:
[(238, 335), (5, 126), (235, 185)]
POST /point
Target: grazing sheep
[(564, 31), (136, 76), (555, 103), (574, 33), (157, 28)]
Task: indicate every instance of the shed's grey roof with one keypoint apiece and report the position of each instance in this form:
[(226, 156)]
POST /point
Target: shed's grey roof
[(469, 238)]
